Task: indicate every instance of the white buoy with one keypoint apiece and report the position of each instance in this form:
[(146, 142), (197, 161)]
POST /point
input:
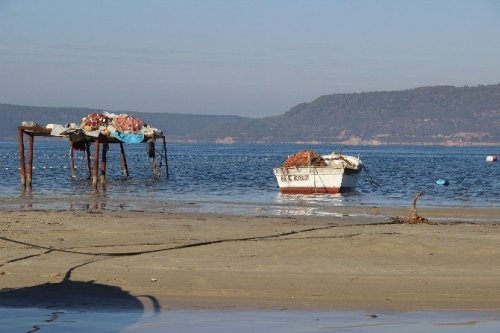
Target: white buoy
[(442, 182), (491, 158)]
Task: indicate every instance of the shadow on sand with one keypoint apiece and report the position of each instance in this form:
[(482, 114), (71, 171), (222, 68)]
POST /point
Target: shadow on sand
[(71, 305)]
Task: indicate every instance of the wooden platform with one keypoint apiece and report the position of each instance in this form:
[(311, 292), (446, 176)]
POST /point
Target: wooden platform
[(26, 171)]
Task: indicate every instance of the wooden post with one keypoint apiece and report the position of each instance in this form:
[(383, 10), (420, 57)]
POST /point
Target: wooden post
[(71, 159), (29, 177), (105, 147), (165, 152), (22, 165), (96, 163), (152, 155), (124, 160), (87, 149)]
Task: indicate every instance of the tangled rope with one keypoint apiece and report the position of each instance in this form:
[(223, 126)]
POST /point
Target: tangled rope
[(413, 217)]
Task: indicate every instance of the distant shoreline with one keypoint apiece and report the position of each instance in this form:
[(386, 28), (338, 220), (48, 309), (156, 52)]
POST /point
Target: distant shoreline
[(307, 143)]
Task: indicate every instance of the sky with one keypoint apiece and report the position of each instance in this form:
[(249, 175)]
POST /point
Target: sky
[(251, 58)]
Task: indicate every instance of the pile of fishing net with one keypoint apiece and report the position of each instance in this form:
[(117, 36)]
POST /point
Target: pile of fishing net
[(122, 127), (304, 158), (111, 122)]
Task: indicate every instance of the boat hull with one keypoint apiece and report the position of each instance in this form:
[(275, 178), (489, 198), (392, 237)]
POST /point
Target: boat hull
[(315, 180)]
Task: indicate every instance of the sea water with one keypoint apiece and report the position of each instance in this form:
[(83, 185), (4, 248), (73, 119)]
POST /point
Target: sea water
[(22, 320), (218, 177)]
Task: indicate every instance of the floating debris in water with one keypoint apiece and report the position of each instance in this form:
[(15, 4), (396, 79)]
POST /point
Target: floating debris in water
[(442, 182)]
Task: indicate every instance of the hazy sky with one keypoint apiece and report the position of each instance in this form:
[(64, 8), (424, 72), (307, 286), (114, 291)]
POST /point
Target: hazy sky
[(244, 57)]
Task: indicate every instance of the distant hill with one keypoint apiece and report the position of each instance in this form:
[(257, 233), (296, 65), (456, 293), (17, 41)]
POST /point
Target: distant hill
[(179, 127), (427, 115), (440, 114)]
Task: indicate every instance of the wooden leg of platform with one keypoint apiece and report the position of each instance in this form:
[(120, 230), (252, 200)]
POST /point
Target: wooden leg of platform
[(105, 147), (96, 163), (124, 160), (29, 177), (71, 159), (165, 154), (89, 164), (153, 157), (22, 165)]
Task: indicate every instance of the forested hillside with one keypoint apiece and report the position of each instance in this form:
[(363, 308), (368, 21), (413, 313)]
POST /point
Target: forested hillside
[(428, 115)]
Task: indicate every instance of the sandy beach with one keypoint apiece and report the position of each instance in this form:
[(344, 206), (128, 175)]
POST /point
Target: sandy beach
[(361, 260)]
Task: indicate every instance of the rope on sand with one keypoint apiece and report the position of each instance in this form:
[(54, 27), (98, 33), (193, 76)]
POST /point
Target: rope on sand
[(413, 217)]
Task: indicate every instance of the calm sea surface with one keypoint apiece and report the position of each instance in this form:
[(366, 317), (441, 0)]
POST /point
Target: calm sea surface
[(211, 177)]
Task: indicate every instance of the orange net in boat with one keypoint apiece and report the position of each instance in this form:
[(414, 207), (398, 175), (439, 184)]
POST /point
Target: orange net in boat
[(304, 158)]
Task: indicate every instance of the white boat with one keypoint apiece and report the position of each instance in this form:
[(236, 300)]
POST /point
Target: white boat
[(308, 173)]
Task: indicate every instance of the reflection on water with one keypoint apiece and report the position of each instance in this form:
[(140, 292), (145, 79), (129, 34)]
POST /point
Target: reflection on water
[(95, 199), (208, 321), (79, 306), (310, 204), (308, 321), (336, 199)]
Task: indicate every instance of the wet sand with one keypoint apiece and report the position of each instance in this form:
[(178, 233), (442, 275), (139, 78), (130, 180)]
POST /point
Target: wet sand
[(174, 260)]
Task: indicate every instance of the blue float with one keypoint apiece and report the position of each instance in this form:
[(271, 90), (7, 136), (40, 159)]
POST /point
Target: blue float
[(442, 182)]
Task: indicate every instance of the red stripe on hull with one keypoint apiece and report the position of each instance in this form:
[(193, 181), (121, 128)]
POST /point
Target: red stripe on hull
[(312, 190)]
